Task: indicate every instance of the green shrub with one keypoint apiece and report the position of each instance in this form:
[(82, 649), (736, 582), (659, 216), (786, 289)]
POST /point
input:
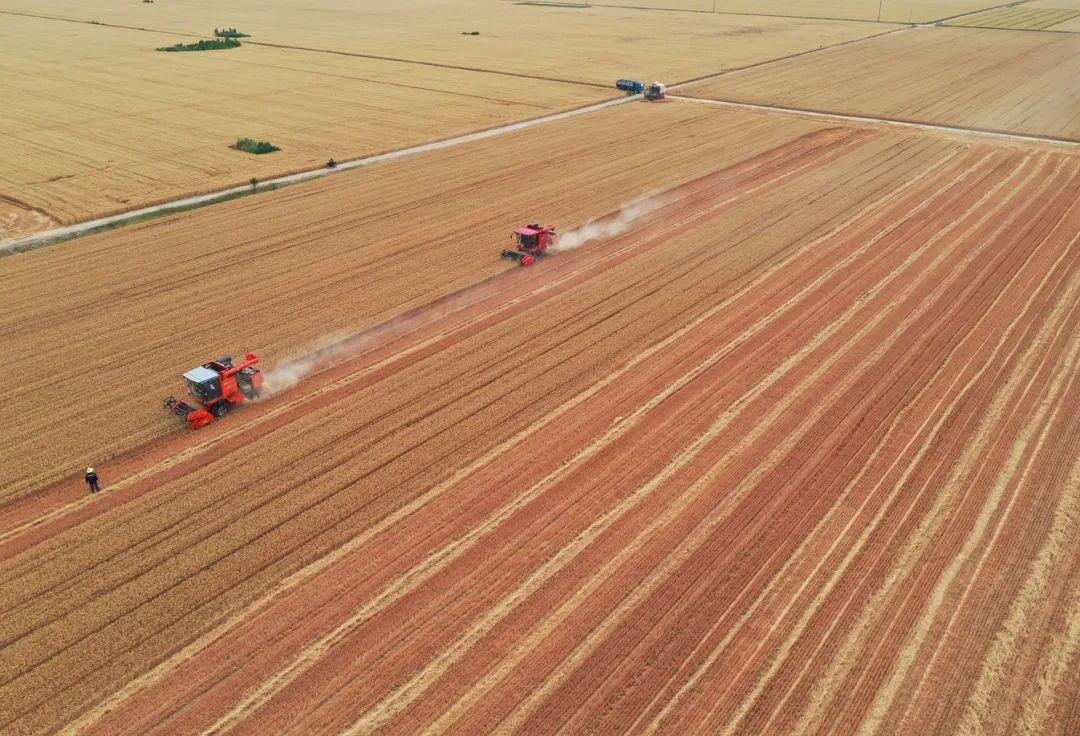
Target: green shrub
[(216, 43), (257, 147), (229, 33)]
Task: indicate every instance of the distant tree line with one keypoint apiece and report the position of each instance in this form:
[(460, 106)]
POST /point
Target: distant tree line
[(252, 146), (207, 45), (229, 33)]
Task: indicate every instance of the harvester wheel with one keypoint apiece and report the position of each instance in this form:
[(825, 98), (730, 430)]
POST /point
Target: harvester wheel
[(220, 409)]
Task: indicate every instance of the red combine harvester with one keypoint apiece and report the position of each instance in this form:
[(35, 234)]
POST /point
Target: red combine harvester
[(532, 242), (216, 386)]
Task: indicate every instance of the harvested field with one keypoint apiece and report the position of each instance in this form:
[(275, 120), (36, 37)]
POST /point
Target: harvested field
[(263, 262), (112, 125), (987, 79), (893, 11), (1023, 17), (799, 453), (579, 44)]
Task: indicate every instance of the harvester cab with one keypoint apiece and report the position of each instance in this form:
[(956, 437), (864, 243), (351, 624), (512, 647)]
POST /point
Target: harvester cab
[(531, 242), (215, 387), (655, 91)]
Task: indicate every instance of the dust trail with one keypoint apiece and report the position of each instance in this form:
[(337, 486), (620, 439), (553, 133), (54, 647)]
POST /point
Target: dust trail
[(326, 350), (610, 226), (341, 346)]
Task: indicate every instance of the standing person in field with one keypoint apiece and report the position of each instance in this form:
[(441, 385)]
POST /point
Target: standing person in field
[(92, 480)]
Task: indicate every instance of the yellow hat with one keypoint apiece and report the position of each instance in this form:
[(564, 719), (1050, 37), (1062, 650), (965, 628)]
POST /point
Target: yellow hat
[(89, 470)]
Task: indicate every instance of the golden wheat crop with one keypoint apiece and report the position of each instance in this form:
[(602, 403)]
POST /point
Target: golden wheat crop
[(967, 77)]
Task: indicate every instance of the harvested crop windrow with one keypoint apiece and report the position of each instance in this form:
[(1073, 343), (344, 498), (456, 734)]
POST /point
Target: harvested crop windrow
[(793, 451)]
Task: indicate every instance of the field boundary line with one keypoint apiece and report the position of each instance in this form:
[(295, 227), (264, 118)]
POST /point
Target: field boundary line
[(311, 49), (977, 12), (839, 117), (735, 70), (744, 13), (928, 22)]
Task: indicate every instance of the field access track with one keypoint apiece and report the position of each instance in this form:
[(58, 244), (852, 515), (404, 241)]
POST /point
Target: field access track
[(800, 451)]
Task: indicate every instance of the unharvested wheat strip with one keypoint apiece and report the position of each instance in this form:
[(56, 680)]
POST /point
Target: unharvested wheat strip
[(987, 547), (202, 642), (1051, 555), (399, 699), (1013, 474), (844, 657), (718, 650), (587, 646), (503, 306)]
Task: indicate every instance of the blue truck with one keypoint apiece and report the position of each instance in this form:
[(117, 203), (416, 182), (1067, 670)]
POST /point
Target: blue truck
[(631, 86)]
